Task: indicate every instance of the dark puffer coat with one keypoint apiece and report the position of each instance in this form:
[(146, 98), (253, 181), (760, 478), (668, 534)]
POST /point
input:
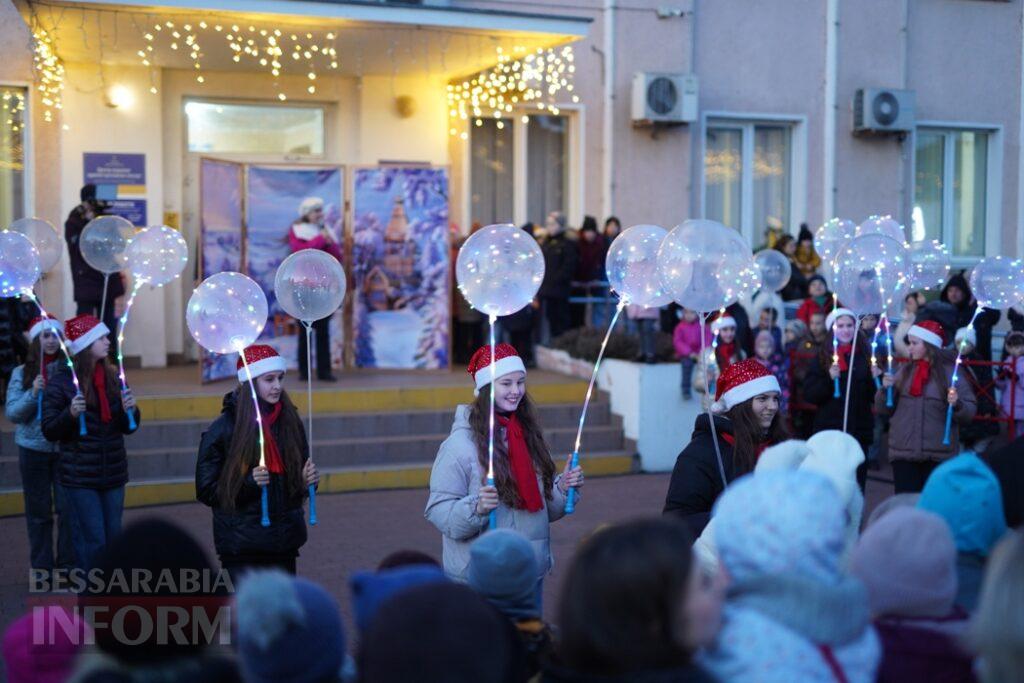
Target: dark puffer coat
[(97, 460), (696, 480), (819, 388), (238, 532)]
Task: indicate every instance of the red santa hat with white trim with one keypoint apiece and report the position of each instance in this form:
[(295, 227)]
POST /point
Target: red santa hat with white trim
[(261, 359), (507, 360), (837, 314), (930, 332), (82, 330), (722, 322), (44, 322), (741, 382)]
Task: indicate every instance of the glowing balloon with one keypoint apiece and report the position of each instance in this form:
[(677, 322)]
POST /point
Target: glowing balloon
[(883, 225), (226, 312), (871, 270), (704, 265), (632, 266), (775, 269), (310, 285), (44, 237), (104, 242), (19, 264), (930, 264), (499, 269), (157, 255), (831, 236), (998, 282)]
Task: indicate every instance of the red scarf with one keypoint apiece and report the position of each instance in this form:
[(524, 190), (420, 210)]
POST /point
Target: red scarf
[(47, 359), (521, 464), (729, 439), (271, 454), (725, 354), (844, 356), (99, 382), (922, 370)]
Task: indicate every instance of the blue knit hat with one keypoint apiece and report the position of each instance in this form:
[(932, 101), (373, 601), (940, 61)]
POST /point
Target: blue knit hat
[(503, 569), (965, 493), (289, 630), (370, 590)]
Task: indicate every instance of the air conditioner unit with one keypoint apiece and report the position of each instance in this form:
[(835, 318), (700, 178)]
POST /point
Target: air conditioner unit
[(664, 98), (879, 110)]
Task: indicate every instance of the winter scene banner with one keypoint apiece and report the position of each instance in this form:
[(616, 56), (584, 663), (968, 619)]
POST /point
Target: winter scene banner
[(401, 268)]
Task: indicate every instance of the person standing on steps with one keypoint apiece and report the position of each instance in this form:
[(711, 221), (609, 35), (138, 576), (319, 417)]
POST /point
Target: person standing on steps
[(560, 256)]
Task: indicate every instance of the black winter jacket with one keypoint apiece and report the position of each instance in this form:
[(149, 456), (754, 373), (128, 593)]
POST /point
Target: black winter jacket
[(97, 460), (819, 388), (696, 480), (87, 281), (560, 256), (14, 318), (983, 324), (238, 532)]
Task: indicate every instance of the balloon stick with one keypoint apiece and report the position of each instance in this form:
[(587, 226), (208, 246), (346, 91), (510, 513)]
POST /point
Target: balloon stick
[(956, 374), (309, 415), (264, 502), (121, 323), (493, 517), (67, 355)]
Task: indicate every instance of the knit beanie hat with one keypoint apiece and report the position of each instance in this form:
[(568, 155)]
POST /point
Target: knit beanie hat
[(892, 503), (370, 590), (289, 630), (503, 569), (441, 633), (507, 361), (30, 661), (838, 313), (741, 382), (966, 493), (907, 560)]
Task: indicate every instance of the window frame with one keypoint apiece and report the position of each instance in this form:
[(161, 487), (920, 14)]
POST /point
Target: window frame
[(746, 122), (28, 151), (574, 189), (257, 157), (993, 182)]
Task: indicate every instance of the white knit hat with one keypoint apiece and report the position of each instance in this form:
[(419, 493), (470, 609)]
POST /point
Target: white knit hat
[(310, 204), (837, 314)]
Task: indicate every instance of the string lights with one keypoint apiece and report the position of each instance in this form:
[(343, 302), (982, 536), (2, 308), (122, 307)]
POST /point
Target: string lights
[(12, 108), (49, 73)]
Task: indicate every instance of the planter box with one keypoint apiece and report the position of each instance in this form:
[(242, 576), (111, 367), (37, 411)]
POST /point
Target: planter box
[(648, 399)]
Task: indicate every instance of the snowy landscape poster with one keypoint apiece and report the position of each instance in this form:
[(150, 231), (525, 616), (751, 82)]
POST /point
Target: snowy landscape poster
[(401, 267)]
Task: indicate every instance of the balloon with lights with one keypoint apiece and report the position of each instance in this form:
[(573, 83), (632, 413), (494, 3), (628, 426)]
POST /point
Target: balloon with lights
[(930, 264), (831, 236), (775, 269), (44, 237), (499, 270), (225, 314), (104, 243), (310, 285), (882, 225), (154, 256)]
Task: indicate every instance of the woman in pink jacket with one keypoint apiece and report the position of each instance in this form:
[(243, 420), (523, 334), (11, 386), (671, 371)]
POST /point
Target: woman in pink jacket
[(309, 232), (686, 339)]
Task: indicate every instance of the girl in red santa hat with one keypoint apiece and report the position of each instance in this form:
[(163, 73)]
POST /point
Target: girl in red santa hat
[(93, 467), (921, 395), (527, 493), (747, 420), (229, 477), (37, 457)]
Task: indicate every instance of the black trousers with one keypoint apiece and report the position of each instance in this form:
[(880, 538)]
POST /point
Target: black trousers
[(238, 566), (909, 477), (109, 318), (558, 315), (322, 339)]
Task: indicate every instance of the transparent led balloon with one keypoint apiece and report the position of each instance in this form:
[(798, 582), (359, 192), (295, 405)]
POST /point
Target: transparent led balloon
[(19, 264), (869, 273), (998, 282), (226, 312), (157, 255), (632, 266), (774, 267), (44, 237), (310, 285), (930, 264), (832, 235), (705, 266), (104, 243), (883, 225), (499, 269)]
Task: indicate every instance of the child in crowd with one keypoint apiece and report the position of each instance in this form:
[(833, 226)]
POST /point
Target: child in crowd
[(230, 480), (687, 342), (816, 328), (806, 257), (725, 352), (768, 321), (646, 320), (767, 353), (1011, 382), (818, 300), (796, 333)]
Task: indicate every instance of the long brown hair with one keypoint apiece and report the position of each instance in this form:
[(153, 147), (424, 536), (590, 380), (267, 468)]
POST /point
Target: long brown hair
[(33, 361), (479, 417), (85, 366), (938, 373), (244, 451), (748, 435)]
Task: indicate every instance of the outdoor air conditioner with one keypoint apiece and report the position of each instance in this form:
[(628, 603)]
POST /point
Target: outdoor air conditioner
[(664, 98), (879, 110)]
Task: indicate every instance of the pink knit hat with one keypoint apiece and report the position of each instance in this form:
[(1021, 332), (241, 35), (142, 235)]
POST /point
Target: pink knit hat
[(49, 659)]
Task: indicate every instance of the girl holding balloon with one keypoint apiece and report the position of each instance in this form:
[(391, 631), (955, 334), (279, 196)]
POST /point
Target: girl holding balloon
[(93, 466), (37, 457), (526, 495), (229, 478)]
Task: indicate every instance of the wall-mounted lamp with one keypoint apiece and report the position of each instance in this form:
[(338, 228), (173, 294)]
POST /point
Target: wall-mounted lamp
[(119, 97)]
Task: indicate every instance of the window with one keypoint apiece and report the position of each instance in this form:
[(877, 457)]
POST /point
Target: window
[(520, 170), (747, 175), (255, 128), (12, 154), (951, 188)]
